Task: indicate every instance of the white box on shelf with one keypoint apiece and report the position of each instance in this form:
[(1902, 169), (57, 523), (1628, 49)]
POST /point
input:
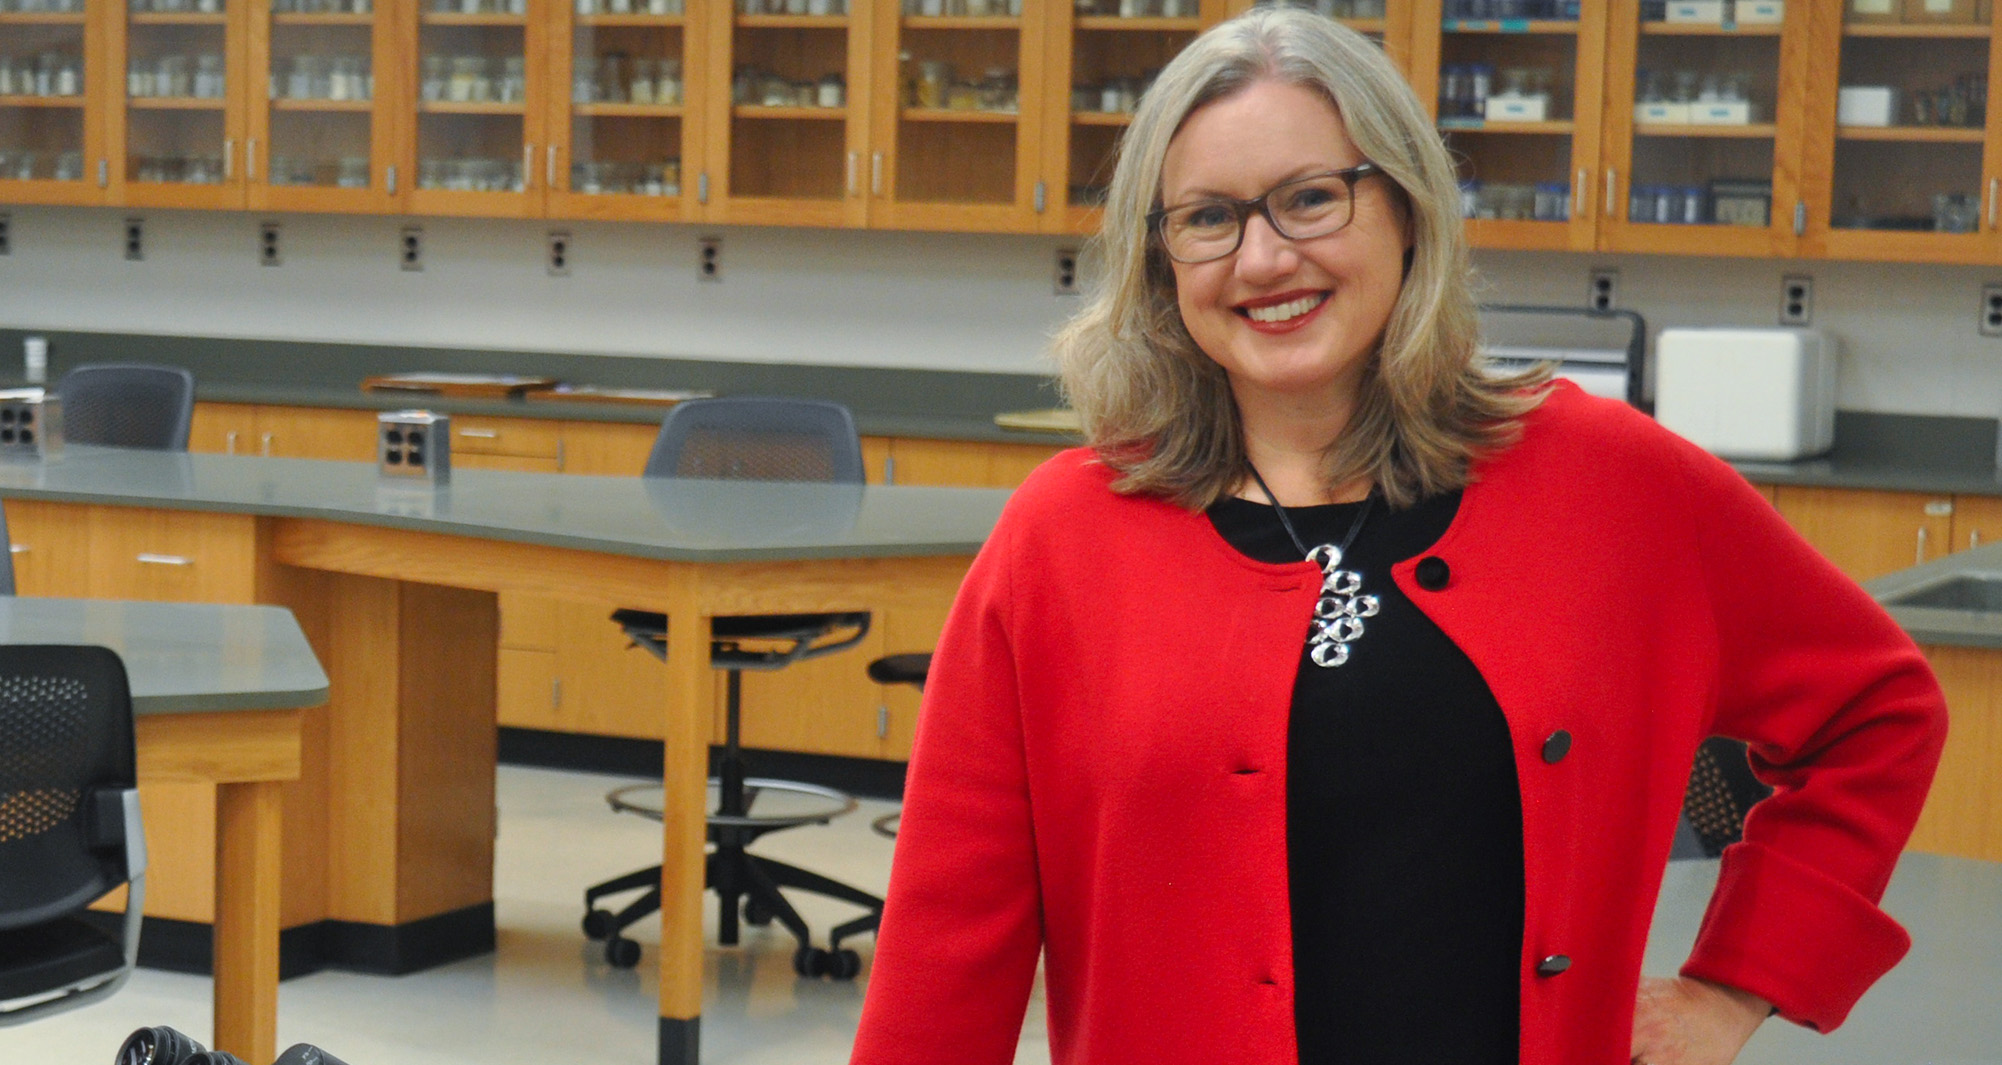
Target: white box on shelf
[(1721, 113), (1866, 105), (1761, 12), (1710, 11), (1662, 114), (1533, 107), (1766, 394)]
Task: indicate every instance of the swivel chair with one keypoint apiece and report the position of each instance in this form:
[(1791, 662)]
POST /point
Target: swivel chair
[(128, 405), (1721, 791), (69, 828), (762, 440)]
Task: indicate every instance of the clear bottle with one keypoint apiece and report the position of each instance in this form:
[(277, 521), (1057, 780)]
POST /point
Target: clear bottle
[(667, 83)]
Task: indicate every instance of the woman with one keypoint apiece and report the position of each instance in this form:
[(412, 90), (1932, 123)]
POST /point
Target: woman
[(1337, 704)]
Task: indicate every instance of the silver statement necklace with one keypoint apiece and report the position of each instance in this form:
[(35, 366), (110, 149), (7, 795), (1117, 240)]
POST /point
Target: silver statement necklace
[(1339, 612)]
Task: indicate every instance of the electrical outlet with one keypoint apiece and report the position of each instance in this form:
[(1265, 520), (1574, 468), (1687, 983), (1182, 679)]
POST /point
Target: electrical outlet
[(267, 245), (709, 264), (1796, 299), (6, 233), (1991, 309), (1604, 291), (410, 250), (559, 253), (135, 239), (1064, 281)]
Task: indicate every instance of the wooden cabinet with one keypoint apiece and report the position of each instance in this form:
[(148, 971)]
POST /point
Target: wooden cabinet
[(52, 102), (1867, 533), (286, 432)]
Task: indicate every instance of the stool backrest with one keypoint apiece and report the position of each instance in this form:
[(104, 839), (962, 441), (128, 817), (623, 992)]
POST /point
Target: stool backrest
[(128, 405), (758, 439)]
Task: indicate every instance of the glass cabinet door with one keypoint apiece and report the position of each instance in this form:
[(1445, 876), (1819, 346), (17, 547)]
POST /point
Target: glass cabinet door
[(48, 136), (182, 119), (788, 136), (1902, 156), (320, 129), (956, 149), (1697, 126), (478, 137), (619, 132), (1516, 86)]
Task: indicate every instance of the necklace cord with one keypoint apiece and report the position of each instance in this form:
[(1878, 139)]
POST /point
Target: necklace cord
[(1287, 523)]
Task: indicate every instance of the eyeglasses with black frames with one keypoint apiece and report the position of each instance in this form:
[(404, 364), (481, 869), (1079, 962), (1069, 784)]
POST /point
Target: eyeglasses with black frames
[(1300, 209)]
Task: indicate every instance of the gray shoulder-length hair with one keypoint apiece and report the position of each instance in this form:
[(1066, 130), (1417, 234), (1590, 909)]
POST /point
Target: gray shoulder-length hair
[(1160, 411)]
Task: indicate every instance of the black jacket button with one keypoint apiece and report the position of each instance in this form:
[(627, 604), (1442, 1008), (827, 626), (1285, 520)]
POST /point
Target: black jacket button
[(1554, 964), (1433, 573), (1557, 746)]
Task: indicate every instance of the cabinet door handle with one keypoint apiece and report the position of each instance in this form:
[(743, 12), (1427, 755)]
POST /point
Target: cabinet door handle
[(264, 444), (702, 187), (1581, 194), (481, 434), (229, 442), (389, 178), (1992, 182), (1973, 539), (228, 158), (556, 693), (882, 722), (875, 173), (527, 167), (1800, 218), (854, 160), (1922, 547), (17, 549), (549, 172), (1612, 179), (104, 173), (152, 559), (250, 159)]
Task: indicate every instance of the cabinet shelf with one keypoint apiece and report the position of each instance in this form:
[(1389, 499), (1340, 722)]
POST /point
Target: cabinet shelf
[(1554, 27), (1947, 31), (659, 21), (42, 101), (448, 107), (962, 22), (627, 110), (1912, 134), (176, 103), (1114, 22), (1557, 127), (520, 21), (306, 19), (824, 114), (177, 18), (22, 19), (344, 106), (792, 22), (1749, 131), (940, 114), (1704, 29), (1101, 118)]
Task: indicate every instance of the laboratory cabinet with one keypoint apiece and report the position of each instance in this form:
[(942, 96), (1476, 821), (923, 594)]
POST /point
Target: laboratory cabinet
[(1868, 533)]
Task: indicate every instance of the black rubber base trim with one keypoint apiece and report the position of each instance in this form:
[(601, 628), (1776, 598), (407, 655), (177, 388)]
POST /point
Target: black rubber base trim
[(869, 777), (189, 946), (680, 1041)]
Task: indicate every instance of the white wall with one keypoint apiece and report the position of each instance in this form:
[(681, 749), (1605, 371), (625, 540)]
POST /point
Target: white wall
[(945, 301)]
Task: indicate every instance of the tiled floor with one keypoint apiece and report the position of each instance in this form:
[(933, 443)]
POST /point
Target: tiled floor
[(546, 995)]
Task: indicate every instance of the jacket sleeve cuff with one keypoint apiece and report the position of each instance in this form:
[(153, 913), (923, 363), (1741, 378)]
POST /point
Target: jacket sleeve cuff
[(1789, 933)]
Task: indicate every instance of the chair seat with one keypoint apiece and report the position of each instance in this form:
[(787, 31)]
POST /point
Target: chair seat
[(56, 954)]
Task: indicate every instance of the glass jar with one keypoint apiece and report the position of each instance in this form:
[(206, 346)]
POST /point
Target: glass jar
[(667, 83), (933, 83), (584, 80), (513, 87), (436, 82), (774, 91), (833, 91), (997, 90), (353, 172), (465, 75), (612, 80)]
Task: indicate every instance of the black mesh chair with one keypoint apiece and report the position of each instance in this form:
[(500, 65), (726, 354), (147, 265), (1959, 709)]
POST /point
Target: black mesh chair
[(127, 405), (1721, 791), (69, 827), (763, 440)]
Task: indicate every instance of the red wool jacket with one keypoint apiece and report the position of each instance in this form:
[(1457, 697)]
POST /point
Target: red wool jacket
[(1100, 769)]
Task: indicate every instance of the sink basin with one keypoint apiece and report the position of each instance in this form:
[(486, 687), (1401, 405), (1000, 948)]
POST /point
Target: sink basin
[(1974, 592)]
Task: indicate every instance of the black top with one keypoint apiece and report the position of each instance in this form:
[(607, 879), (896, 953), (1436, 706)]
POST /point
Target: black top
[(1404, 821)]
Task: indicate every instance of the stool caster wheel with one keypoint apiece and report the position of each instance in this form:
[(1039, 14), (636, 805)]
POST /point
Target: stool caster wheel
[(810, 962), (622, 953), (757, 913), (843, 965), (598, 924)]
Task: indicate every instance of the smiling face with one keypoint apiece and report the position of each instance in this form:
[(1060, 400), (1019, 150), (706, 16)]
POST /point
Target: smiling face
[(1289, 321)]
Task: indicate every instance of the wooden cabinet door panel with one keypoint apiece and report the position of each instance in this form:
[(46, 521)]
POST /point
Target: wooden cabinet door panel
[(1977, 520), (535, 437), (965, 463), (1867, 533), (611, 449), (525, 692), (527, 621), (318, 433), (475, 460), (607, 687), (50, 547), (224, 429), (174, 556)]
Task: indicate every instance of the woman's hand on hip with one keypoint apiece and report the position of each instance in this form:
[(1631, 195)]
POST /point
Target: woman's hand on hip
[(1684, 1021)]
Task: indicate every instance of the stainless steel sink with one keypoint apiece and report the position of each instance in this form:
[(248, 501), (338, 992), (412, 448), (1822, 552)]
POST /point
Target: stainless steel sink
[(1971, 592)]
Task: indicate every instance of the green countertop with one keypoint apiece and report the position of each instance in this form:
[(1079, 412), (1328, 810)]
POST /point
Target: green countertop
[(685, 520)]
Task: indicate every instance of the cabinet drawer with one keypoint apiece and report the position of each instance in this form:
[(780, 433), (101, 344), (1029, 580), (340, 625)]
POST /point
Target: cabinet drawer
[(525, 694), (50, 547), (184, 556), (506, 436)]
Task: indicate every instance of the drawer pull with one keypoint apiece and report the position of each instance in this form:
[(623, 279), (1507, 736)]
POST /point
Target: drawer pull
[(165, 560), (481, 434), (22, 549)]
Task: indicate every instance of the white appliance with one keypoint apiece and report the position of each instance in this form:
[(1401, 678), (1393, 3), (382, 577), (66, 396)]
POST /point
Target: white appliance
[(1765, 394)]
